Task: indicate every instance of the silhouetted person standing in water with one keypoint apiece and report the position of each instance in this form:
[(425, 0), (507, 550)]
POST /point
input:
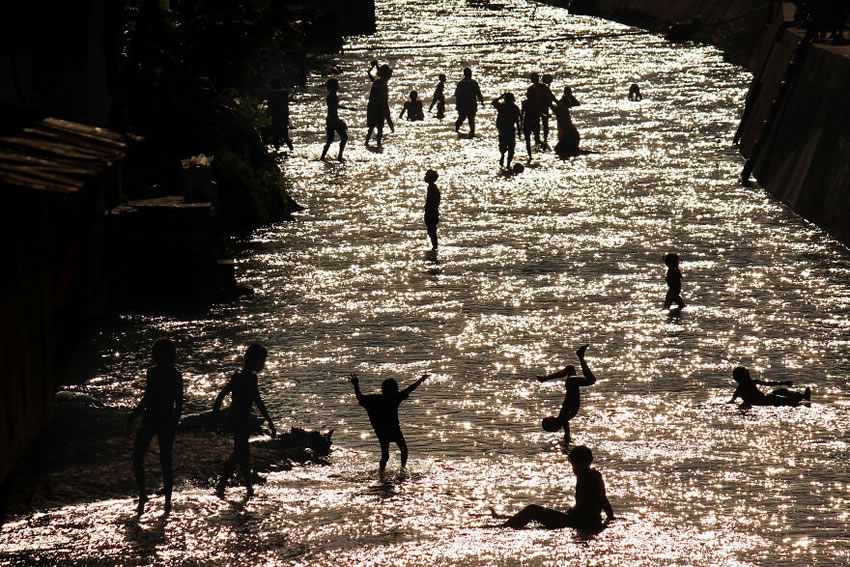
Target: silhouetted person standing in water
[(432, 206), (244, 393), (752, 396), (507, 123), (539, 99), (467, 96), (378, 107), (162, 404), (634, 92), (544, 114), (278, 109), (333, 123), (413, 107), (591, 501), (383, 414), (568, 136), (674, 281), (439, 97), (572, 399)]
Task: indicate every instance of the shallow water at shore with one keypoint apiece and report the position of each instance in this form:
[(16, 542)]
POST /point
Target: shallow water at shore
[(529, 267)]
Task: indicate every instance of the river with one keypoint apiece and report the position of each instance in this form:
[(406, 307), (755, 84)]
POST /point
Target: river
[(529, 267)]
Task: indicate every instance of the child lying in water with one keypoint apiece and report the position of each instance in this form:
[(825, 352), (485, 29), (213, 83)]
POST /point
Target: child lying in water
[(752, 396)]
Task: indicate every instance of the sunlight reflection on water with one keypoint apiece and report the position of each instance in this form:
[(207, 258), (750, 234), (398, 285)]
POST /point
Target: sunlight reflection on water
[(529, 268)]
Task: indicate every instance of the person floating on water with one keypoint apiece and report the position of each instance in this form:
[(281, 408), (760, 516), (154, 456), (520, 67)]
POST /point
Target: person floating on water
[(378, 107), (634, 92), (244, 393), (572, 399), (591, 501), (674, 281), (278, 108), (333, 123), (750, 395), (439, 97), (508, 125), (467, 96), (383, 414), (162, 404), (413, 107), (544, 114), (568, 136), (432, 206)]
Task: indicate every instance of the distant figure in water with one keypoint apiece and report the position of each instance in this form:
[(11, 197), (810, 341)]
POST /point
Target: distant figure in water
[(413, 107), (439, 97), (467, 96), (634, 92), (674, 281), (539, 98), (572, 399), (507, 123), (383, 414), (568, 136), (244, 393), (278, 108), (750, 395), (162, 404), (544, 115), (591, 501), (378, 107), (333, 124), (432, 206)]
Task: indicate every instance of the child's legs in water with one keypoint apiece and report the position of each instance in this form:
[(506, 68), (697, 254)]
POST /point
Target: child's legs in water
[(547, 517), (402, 447), (784, 397), (385, 454)]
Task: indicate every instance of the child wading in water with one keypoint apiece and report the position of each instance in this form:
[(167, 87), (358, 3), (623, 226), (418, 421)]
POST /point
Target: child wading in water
[(413, 107), (439, 97), (333, 124), (383, 414), (572, 399), (752, 396), (242, 387), (162, 404), (674, 281), (591, 501), (508, 125), (432, 205)]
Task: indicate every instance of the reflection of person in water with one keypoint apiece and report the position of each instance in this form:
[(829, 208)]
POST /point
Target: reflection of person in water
[(432, 206), (244, 394), (413, 107), (467, 93), (568, 136), (378, 107), (508, 125), (162, 404), (591, 501), (383, 414), (634, 92), (572, 399), (749, 393), (439, 97)]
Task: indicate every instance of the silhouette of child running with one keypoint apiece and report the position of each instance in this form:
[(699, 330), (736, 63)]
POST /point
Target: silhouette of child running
[(508, 125), (572, 399), (413, 107), (674, 281), (244, 393), (333, 124), (162, 404), (752, 396), (439, 97), (591, 501), (432, 206), (383, 414)]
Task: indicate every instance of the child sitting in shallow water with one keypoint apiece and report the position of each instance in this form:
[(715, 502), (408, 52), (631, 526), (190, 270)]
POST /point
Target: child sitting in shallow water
[(752, 396)]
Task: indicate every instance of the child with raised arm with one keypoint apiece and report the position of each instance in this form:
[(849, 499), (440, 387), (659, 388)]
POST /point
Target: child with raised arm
[(752, 396), (674, 281), (162, 404), (591, 501), (413, 107), (439, 97), (244, 393), (572, 399), (383, 414), (333, 124)]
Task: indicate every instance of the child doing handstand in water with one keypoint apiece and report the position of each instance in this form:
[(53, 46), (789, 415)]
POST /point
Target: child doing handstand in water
[(572, 399), (383, 414), (674, 281), (752, 396)]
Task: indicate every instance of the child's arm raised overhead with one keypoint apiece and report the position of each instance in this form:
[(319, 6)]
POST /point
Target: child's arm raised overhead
[(413, 386), (356, 383)]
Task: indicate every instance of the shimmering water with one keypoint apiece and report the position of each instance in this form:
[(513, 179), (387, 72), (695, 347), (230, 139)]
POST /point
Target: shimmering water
[(529, 268)]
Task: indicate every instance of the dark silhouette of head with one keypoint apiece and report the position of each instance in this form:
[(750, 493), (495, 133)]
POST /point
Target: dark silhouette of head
[(741, 374), (431, 176), (571, 370), (534, 77), (509, 97), (467, 73), (332, 84), (441, 77), (568, 91), (580, 458), (255, 357), (413, 95), (671, 259), (389, 387), (164, 352), (384, 71), (547, 79)]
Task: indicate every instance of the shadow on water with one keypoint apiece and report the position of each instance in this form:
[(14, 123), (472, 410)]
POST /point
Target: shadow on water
[(144, 539)]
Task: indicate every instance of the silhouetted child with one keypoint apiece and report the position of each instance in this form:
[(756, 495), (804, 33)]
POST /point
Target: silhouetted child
[(568, 136), (539, 98), (244, 393), (674, 281), (413, 107), (544, 114), (278, 109), (572, 399), (162, 404), (508, 125), (383, 414), (333, 124), (439, 97), (752, 396), (432, 206), (591, 501), (378, 106), (467, 96), (634, 92)]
